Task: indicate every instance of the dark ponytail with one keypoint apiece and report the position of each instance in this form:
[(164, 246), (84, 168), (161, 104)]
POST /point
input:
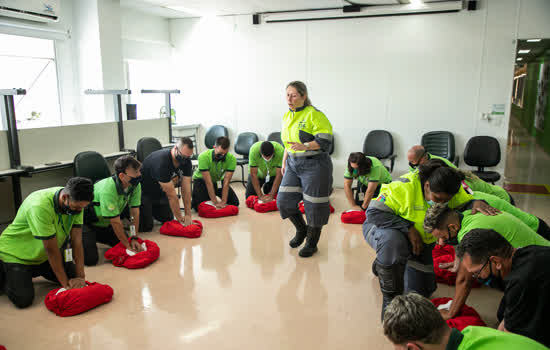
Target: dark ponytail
[(442, 178)]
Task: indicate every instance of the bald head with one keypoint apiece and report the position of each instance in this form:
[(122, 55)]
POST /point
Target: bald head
[(416, 155)]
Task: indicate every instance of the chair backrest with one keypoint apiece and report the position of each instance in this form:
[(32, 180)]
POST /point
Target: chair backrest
[(91, 165), (245, 140), (146, 146), (331, 149), (213, 133), (482, 151), (439, 143), (379, 144), (275, 136)]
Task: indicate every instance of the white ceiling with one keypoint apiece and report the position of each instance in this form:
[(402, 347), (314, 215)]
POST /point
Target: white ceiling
[(233, 7)]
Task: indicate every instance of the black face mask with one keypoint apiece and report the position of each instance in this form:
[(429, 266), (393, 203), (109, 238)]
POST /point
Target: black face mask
[(414, 166), (489, 279), (134, 181), (219, 157), (485, 281), (180, 158), (451, 240), (67, 210)]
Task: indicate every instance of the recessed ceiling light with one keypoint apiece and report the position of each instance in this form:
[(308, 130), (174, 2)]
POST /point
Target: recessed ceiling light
[(519, 59), (533, 40), (523, 51)]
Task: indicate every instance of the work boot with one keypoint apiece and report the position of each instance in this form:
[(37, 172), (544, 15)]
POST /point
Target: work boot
[(392, 282), (301, 230), (313, 234)]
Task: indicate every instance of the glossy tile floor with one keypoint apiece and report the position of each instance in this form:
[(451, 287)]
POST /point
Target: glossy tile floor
[(241, 287)]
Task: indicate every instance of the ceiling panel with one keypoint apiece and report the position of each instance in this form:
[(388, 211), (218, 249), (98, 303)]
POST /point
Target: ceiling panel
[(194, 8)]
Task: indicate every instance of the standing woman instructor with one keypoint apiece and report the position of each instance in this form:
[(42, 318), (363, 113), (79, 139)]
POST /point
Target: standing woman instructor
[(307, 168)]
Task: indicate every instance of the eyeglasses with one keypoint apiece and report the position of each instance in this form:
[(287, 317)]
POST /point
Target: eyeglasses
[(476, 274)]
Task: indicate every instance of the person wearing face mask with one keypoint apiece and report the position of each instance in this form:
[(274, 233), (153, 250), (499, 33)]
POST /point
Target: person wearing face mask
[(370, 174), (162, 172), (307, 168), (417, 155), (394, 228), (412, 322), (213, 176), (45, 239), (264, 167), (102, 222), (451, 226), (524, 270)]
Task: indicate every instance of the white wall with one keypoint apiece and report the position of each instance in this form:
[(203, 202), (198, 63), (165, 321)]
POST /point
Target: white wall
[(408, 75)]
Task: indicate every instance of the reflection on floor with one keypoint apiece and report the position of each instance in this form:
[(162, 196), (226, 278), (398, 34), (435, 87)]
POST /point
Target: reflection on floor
[(241, 287)]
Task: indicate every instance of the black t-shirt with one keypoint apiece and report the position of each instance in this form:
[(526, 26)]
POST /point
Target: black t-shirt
[(526, 301), (158, 167)]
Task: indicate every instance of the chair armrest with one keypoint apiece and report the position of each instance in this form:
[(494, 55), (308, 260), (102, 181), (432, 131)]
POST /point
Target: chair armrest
[(392, 161)]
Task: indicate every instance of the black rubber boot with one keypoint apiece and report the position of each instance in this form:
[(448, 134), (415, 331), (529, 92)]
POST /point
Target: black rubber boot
[(313, 234), (301, 230), (392, 282)]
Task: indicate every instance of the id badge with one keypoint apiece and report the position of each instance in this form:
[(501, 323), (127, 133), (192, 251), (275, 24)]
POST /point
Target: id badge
[(132, 230), (361, 196), (220, 185), (68, 255), (267, 177)]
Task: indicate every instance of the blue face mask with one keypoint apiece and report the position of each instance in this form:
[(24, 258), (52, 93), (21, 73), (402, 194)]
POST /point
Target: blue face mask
[(432, 203)]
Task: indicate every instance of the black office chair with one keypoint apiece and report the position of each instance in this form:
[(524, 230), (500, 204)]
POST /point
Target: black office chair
[(379, 144), (331, 149), (213, 133), (440, 143), (481, 152), (275, 136), (245, 140), (91, 165), (146, 146)]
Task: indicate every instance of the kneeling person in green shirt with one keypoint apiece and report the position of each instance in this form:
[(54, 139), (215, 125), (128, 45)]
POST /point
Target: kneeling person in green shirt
[(264, 167), (111, 196), (216, 165), (370, 174), (451, 226), (412, 322), (45, 239)]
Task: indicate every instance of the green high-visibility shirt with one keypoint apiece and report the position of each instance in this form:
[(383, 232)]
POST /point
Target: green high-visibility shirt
[(217, 168), (508, 226), (256, 160), (485, 338), (529, 219), (482, 186), (110, 199), (306, 124)]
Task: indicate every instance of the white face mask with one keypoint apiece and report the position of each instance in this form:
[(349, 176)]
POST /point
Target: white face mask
[(266, 159)]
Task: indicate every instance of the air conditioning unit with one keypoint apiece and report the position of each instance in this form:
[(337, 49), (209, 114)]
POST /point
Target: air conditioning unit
[(31, 10)]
